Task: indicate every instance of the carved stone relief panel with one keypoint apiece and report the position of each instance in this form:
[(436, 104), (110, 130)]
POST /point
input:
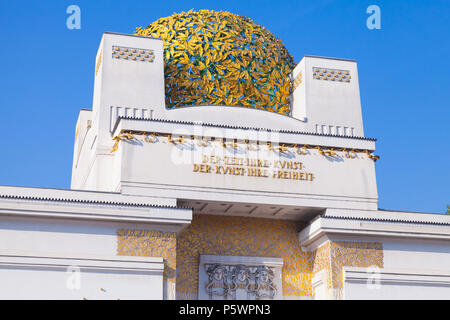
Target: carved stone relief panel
[(240, 278)]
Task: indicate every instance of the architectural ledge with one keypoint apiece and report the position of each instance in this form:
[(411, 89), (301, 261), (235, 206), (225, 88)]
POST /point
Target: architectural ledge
[(374, 224), (389, 216), (87, 205), (267, 127), (398, 276), (115, 264), (187, 128), (83, 196)]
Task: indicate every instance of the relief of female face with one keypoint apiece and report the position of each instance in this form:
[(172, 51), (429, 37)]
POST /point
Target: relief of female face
[(264, 276), (218, 274), (242, 275)]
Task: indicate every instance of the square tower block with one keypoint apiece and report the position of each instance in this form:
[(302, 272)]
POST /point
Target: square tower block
[(129, 80), (326, 96)]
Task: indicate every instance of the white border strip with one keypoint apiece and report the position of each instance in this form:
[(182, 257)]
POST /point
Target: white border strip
[(116, 264), (398, 276)]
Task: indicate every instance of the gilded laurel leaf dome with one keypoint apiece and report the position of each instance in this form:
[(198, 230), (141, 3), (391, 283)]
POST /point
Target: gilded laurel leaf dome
[(219, 58)]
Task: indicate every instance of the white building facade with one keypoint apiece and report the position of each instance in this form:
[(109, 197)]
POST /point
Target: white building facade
[(218, 202)]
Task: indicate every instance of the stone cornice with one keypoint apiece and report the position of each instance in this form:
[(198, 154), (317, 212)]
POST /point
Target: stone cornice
[(40, 204), (191, 123), (115, 264), (367, 226), (224, 132), (398, 276)]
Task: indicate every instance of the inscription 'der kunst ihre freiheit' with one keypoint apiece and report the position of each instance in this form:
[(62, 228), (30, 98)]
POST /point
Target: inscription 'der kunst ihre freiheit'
[(253, 167)]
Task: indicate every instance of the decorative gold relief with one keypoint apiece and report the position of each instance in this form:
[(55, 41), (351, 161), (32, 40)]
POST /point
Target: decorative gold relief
[(132, 53), (149, 243), (333, 256), (297, 81), (242, 236), (123, 136), (230, 144), (374, 157), (326, 152), (99, 62), (331, 74), (150, 137), (176, 140), (302, 150), (252, 146), (282, 148), (354, 254), (351, 154), (76, 133), (322, 261), (330, 152), (219, 58), (203, 142)]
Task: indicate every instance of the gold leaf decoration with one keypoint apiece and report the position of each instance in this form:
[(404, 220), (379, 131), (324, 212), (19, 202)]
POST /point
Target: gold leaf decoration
[(216, 58)]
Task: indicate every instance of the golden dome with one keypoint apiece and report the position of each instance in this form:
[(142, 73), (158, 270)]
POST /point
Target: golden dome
[(219, 58)]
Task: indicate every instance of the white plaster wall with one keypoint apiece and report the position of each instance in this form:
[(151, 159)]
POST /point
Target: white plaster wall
[(359, 291), (27, 277), (394, 283), (424, 254), (236, 116), (23, 237), (298, 100), (319, 283), (43, 236), (84, 154)]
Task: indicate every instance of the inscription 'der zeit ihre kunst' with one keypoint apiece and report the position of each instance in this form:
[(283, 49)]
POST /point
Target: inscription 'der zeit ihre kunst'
[(238, 166)]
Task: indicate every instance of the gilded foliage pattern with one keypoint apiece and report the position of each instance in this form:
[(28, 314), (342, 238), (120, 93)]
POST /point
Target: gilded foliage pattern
[(149, 243), (333, 256), (354, 254), (322, 261), (242, 236), (219, 58)]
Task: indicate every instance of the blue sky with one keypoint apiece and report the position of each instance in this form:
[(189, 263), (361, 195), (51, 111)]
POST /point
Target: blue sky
[(404, 71)]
